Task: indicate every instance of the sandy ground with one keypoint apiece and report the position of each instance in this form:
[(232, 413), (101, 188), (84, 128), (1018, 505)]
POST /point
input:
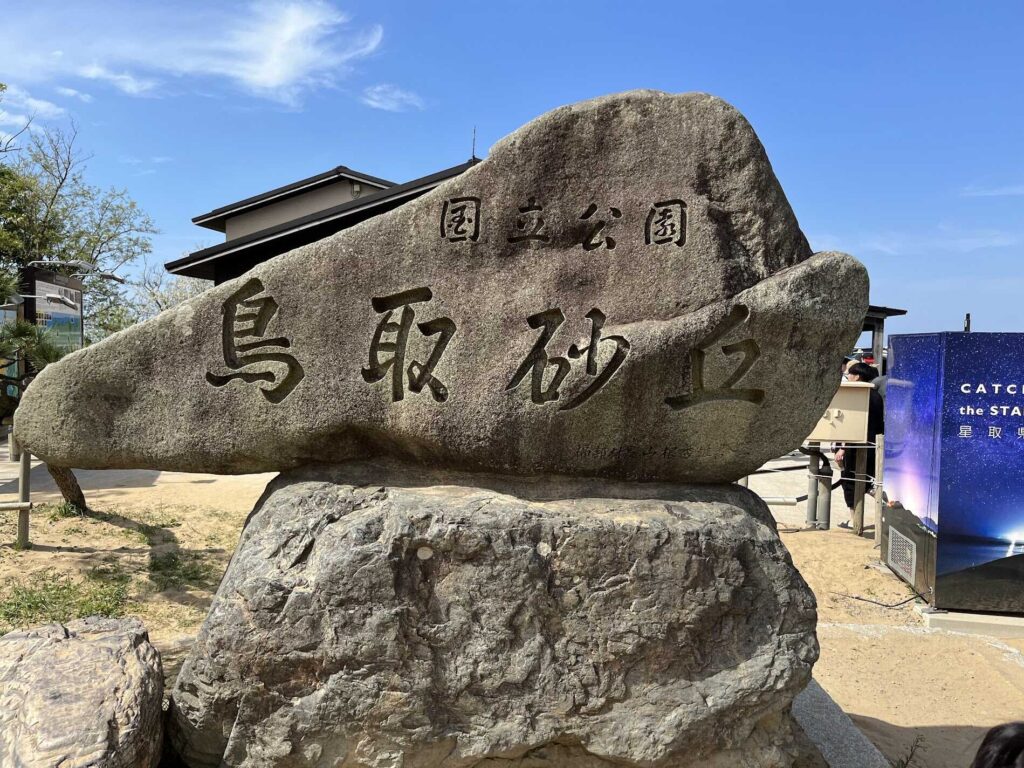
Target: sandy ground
[(897, 679)]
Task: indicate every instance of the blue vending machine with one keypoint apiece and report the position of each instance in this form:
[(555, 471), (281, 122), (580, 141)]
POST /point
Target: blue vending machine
[(953, 526)]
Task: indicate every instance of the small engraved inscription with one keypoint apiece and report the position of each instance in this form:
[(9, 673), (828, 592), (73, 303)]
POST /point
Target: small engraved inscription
[(529, 224), (246, 317), (420, 374), (595, 237), (460, 219), (666, 223), (538, 362), (750, 352)]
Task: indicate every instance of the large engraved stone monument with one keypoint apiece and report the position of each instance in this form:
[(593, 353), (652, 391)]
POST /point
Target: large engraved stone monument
[(505, 414)]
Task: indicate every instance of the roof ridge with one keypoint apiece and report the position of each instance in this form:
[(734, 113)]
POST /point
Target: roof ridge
[(217, 215)]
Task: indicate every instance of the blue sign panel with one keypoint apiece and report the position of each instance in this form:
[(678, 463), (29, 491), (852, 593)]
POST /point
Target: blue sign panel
[(955, 403), (982, 483)]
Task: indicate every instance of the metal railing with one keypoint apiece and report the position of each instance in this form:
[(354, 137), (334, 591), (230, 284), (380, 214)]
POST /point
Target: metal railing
[(820, 485), (23, 506)]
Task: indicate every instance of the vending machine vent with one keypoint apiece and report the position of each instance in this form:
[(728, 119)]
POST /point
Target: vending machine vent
[(902, 555)]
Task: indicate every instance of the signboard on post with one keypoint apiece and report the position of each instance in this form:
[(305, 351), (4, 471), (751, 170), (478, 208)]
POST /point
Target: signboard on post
[(41, 287)]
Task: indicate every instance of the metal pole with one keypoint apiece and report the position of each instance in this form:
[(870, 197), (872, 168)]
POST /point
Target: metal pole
[(13, 448), (813, 469), (824, 512), (879, 486), (859, 487), (877, 339), (24, 491)]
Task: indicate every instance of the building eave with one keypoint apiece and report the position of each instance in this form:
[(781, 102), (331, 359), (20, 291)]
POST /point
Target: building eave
[(216, 218)]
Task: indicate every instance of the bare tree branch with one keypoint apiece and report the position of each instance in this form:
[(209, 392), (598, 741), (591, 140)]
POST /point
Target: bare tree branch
[(54, 154), (9, 143), (157, 290)]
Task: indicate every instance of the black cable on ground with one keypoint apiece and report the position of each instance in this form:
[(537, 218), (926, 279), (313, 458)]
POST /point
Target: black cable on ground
[(917, 595)]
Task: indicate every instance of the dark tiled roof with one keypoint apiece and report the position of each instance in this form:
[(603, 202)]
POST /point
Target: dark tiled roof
[(215, 218)]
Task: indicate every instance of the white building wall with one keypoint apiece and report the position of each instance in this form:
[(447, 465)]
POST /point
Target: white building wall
[(292, 208)]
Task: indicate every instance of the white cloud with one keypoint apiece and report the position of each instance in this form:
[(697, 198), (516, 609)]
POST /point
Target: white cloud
[(71, 93), (133, 160), (1011, 190), (390, 98), (124, 82), (284, 47), (13, 120), (277, 49), (20, 99), (144, 166)]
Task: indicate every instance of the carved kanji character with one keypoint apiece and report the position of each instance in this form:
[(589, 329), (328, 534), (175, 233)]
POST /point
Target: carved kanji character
[(420, 374), (246, 317), (700, 393)]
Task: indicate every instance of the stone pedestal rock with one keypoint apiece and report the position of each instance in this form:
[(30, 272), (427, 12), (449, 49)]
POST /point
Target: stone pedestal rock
[(420, 620)]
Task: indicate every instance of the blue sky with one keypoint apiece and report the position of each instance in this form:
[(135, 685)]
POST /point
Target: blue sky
[(895, 128)]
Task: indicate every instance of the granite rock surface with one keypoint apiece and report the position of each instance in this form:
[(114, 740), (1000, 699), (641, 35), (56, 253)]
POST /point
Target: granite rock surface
[(87, 695), (619, 290), (391, 617)]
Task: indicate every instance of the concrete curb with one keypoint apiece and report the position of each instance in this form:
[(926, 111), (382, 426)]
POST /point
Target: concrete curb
[(840, 741)]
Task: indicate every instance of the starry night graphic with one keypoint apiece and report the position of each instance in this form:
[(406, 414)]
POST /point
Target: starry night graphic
[(955, 411)]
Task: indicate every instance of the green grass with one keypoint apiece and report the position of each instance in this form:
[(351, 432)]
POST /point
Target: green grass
[(62, 511), (137, 536), (51, 596), (160, 518), (180, 570)]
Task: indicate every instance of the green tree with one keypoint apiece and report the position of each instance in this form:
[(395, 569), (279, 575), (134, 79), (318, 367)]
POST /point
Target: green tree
[(20, 218), (51, 213)]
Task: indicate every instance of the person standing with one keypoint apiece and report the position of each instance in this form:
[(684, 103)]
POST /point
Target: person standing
[(847, 457)]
